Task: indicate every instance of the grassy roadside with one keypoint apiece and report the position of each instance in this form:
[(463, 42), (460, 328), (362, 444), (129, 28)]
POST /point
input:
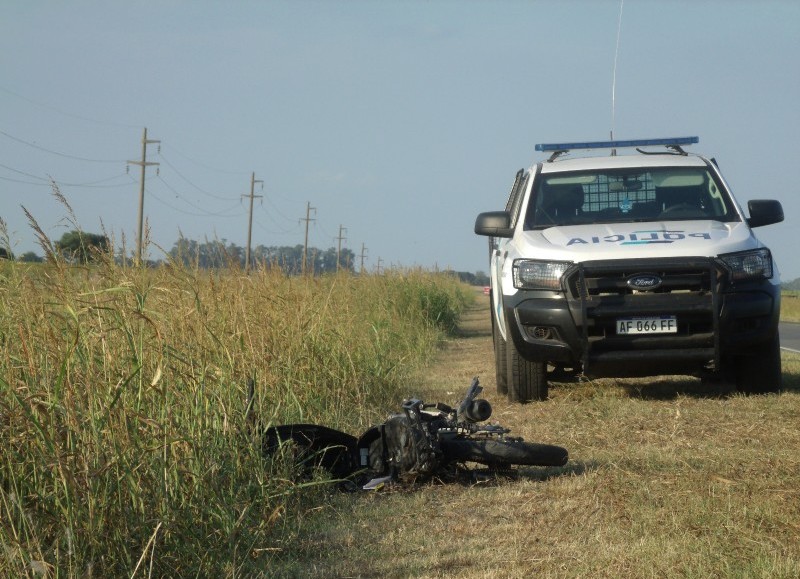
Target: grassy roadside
[(790, 306), (666, 477), (126, 448)]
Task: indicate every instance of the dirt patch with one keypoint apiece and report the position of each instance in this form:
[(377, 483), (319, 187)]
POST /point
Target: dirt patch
[(467, 354)]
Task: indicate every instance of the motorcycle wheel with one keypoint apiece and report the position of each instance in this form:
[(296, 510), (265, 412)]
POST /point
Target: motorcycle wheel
[(504, 452)]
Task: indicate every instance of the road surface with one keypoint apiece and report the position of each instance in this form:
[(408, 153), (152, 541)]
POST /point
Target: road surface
[(790, 336)]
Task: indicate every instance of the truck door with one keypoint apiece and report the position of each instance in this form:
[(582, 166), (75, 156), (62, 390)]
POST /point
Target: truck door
[(497, 250)]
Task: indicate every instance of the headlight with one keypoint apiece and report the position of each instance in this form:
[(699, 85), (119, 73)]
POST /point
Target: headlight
[(530, 274), (749, 265)]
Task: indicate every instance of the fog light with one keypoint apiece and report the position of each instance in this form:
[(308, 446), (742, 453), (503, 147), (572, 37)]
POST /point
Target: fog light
[(541, 332)]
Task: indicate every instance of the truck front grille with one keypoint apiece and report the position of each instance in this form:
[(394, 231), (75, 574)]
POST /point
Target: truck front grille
[(603, 278), (600, 295)]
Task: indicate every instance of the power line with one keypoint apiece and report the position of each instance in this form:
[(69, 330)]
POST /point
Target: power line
[(95, 184), (48, 181), (325, 231), (62, 184), (614, 75), (279, 224), (278, 211), (189, 213), (182, 176), (24, 182), (283, 230), (280, 232), (203, 213), (204, 165), (35, 146), (65, 113), (23, 173)]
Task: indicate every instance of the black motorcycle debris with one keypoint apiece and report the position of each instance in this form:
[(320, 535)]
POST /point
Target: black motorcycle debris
[(425, 441)]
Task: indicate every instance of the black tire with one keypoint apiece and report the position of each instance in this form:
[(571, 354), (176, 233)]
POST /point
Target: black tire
[(504, 452), (500, 360), (527, 381), (760, 372)]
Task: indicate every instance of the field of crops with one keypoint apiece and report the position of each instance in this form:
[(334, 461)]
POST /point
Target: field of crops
[(123, 397)]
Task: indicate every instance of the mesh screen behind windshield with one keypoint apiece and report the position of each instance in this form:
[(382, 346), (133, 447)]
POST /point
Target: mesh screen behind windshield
[(617, 196)]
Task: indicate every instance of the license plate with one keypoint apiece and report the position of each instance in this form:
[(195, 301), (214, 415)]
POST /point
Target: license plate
[(648, 325)]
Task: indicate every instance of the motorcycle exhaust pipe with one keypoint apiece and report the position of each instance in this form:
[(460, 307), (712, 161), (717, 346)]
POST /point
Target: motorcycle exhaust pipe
[(478, 411)]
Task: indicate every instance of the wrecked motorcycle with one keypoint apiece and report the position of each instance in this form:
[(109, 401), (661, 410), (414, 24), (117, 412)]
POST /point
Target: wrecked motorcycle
[(422, 442)]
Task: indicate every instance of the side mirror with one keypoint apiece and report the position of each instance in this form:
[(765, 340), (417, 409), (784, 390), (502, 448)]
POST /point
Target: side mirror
[(494, 224), (764, 212)]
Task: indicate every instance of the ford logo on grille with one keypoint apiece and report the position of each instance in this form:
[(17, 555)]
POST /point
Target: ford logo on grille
[(644, 282)]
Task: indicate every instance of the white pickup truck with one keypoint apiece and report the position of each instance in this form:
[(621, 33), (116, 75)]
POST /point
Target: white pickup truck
[(634, 264)]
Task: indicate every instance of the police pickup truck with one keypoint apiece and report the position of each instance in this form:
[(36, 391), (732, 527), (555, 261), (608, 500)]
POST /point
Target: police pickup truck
[(634, 264)]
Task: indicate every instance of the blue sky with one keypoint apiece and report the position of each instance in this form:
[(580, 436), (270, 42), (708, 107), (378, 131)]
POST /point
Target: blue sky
[(398, 120)]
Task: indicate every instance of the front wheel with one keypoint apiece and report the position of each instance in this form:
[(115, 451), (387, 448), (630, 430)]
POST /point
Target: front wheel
[(527, 381), (760, 372), (504, 452), (500, 359)]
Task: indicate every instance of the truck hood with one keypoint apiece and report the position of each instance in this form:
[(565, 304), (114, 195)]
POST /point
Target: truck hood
[(635, 240)]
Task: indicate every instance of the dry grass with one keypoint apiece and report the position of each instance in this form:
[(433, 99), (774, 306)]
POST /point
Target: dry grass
[(790, 307), (667, 478), (122, 405)]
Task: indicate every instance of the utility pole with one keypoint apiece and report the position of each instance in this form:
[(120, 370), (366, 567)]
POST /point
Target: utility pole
[(308, 219), (363, 255), (378, 267), (339, 246), (143, 163), (253, 182)]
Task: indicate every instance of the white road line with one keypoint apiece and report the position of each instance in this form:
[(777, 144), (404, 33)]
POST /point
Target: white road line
[(790, 350)]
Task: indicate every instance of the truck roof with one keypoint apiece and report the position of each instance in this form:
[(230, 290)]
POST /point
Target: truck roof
[(623, 162)]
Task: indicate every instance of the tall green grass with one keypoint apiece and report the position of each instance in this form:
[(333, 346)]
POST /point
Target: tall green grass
[(125, 445)]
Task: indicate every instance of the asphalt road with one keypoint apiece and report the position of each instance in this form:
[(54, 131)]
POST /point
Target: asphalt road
[(790, 336)]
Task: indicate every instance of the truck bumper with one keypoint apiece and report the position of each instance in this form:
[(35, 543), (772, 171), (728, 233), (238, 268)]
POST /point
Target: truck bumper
[(578, 328)]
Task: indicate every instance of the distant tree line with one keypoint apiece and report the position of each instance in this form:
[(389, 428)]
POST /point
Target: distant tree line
[(81, 247), (793, 285), (216, 254), (74, 246), (477, 278)]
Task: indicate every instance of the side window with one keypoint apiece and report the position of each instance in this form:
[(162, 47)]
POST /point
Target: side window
[(514, 188), (515, 198), (512, 205)]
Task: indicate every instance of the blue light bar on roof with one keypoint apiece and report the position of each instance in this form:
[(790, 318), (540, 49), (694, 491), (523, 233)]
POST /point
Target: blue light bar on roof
[(618, 144)]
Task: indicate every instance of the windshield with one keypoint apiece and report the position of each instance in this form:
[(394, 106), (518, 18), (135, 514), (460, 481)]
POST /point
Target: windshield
[(627, 195)]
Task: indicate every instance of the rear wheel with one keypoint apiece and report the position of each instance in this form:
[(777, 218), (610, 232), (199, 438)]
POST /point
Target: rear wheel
[(504, 452), (527, 381), (760, 372)]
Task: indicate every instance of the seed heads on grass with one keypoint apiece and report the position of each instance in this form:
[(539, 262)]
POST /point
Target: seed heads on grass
[(123, 397)]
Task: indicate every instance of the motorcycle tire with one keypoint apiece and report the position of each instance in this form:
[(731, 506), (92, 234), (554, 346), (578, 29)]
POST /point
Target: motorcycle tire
[(503, 452)]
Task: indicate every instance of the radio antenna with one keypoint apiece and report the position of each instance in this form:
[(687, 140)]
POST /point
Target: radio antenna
[(614, 77)]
